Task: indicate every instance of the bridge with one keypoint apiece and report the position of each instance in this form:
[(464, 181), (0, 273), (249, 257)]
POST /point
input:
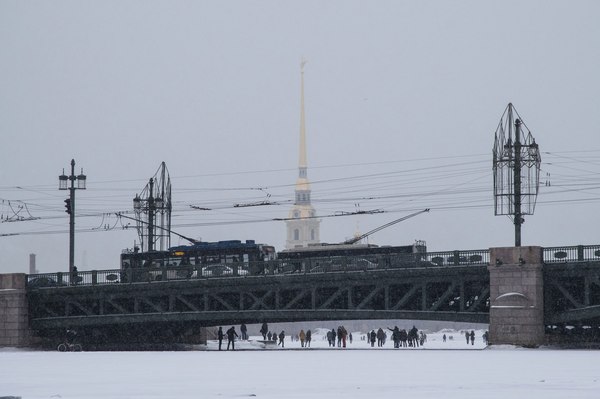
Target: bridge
[(526, 294)]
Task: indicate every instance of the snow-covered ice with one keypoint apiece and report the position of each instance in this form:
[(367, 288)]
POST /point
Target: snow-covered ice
[(451, 370)]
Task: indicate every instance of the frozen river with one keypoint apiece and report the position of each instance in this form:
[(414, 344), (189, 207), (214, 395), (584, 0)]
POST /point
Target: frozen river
[(451, 370)]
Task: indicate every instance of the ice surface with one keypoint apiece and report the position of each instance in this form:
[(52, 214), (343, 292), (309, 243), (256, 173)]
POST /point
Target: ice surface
[(449, 370)]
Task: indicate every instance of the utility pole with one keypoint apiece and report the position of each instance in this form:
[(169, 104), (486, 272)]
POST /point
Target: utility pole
[(517, 184), (151, 214), (152, 209), (70, 205)]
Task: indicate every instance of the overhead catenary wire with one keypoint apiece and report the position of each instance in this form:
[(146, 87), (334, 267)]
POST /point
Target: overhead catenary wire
[(447, 186)]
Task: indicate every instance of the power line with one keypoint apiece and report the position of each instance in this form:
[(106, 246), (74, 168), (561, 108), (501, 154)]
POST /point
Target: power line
[(445, 186)]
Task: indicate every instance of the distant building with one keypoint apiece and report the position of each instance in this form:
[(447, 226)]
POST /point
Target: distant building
[(32, 268), (302, 224)]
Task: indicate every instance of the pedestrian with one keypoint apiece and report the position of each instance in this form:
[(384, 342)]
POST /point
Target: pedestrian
[(231, 334), (220, 336), (344, 334), (264, 329), (467, 336), (302, 337), (269, 335), (395, 336), (74, 276), (308, 338), (350, 337), (403, 338), (373, 338), (380, 337), (472, 337), (444, 337), (413, 336), (244, 331), (281, 338)]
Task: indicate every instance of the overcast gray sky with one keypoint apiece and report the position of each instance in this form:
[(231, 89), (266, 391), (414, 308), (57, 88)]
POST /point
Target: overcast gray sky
[(402, 101)]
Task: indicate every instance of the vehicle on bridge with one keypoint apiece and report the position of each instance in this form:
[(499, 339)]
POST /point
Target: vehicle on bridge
[(340, 257), (207, 259), (351, 255), (202, 259), (237, 258)]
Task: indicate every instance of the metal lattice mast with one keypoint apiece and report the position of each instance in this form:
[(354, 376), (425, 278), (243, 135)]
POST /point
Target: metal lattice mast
[(153, 212), (516, 170)]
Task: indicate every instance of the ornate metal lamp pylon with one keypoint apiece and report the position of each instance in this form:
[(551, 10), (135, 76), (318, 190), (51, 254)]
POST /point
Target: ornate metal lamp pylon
[(516, 169)]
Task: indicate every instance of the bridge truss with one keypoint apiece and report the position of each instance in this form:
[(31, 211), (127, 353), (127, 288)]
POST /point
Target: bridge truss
[(572, 294), (114, 312), (451, 286)]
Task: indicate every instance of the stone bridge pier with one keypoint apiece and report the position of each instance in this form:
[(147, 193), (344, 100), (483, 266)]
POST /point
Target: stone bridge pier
[(14, 313), (516, 296)]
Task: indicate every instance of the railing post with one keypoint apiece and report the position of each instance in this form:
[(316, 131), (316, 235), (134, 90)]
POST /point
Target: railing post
[(456, 257), (94, 277), (580, 254)]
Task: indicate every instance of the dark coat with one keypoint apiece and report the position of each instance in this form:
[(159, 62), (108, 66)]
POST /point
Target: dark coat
[(231, 333)]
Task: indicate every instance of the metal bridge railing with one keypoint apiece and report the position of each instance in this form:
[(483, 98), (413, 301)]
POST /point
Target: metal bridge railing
[(273, 267), (575, 253), (551, 255), (459, 258), (59, 279)]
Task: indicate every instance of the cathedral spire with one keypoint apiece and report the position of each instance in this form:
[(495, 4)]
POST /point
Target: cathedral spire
[(302, 226), (302, 159)]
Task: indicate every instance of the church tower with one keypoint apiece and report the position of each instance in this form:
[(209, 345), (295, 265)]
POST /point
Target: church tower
[(302, 225)]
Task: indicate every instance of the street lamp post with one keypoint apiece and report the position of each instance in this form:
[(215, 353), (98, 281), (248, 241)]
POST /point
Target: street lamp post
[(70, 206)]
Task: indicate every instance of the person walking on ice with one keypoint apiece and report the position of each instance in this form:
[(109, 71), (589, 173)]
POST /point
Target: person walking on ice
[(231, 334), (220, 336), (281, 338)]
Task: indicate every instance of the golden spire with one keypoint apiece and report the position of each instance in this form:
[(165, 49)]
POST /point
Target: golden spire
[(302, 160), (302, 227)]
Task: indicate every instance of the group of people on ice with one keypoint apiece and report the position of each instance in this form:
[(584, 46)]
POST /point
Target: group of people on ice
[(470, 337), (401, 338), (342, 336), (264, 330), (231, 334), (273, 336)]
